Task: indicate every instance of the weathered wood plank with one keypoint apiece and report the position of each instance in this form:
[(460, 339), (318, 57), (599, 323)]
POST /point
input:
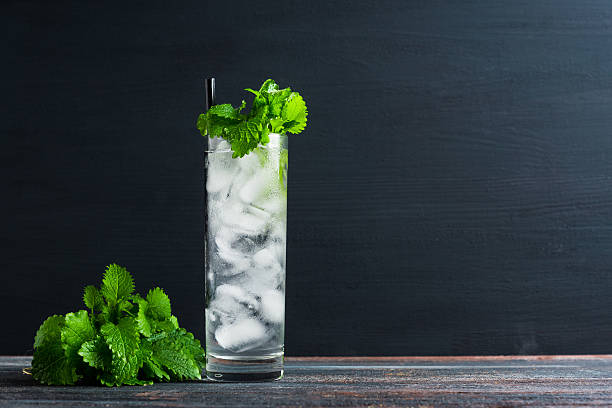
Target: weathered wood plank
[(378, 381)]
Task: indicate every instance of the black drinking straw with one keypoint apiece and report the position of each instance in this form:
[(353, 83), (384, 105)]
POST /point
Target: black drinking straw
[(209, 84)]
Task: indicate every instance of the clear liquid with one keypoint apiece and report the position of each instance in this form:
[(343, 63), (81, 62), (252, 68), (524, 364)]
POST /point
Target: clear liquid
[(245, 262)]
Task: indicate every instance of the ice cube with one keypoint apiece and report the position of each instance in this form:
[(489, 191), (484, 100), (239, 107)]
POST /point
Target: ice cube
[(272, 205), (225, 310), (273, 306), (237, 293), (265, 258), (238, 261), (257, 186), (231, 302), (250, 162), (258, 212), (240, 220), (218, 145), (265, 272), (219, 178), (258, 280), (242, 335)]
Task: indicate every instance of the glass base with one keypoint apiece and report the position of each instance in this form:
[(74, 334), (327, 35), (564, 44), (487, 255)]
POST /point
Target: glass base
[(233, 369)]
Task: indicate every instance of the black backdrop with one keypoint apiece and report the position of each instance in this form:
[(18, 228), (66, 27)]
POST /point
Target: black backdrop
[(452, 193)]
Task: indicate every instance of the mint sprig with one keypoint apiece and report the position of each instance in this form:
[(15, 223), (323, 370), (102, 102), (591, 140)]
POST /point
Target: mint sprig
[(274, 110), (124, 339)]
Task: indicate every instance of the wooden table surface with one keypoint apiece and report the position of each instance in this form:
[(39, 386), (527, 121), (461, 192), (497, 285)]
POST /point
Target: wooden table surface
[(353, 381)]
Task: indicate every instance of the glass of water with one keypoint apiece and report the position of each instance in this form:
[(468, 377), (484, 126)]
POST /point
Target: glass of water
[(245, 246)]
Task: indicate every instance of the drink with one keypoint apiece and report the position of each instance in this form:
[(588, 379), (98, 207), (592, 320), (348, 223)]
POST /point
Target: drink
[(245, 261), (246, 221)]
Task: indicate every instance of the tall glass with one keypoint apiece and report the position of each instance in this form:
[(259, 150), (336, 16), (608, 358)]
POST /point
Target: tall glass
[(246, 219)]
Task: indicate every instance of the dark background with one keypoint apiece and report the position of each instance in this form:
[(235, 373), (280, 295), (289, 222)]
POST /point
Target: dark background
[(452, 193)]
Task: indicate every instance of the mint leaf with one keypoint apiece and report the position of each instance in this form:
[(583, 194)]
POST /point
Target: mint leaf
[(50, 365), (49, 331), (123, 341), (175, 357), (76, 331), (143, 319), (158, 304), (151, 369), (277, 100), (117, 283), (267, 87), (154, 371), (96, 353), (154, 314), (243, 138), (164, 325), (227, 111), (274, 110), (190, 345), (294, 113), (92, 298)]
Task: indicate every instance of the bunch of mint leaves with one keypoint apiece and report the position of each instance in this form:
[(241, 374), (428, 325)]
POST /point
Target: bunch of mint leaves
[(274, 110), (123, 339)]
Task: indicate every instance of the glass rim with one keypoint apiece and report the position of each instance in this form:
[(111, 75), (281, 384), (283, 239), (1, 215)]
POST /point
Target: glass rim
[(278, 141)]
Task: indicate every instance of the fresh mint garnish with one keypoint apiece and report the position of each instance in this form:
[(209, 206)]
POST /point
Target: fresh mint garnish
[(123, 339), (274, 110)]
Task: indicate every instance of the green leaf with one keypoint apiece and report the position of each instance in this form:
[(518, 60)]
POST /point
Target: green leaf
[(107, 314), (123, 341), (219, 119), (154, 314), (77, 330), (92, 298), (96, 353), (50, 330), (276, 100), (162, 326), (114, 311), (243, 138), (143, 320), (50, 365), (277, 125), (268, 86), (127, 307), (175, 352), (225, 110), (158, 304), (294, 113), (117, 283), (274, 109), (190, 344), (69, 348), (202, 124), (152, 370)]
